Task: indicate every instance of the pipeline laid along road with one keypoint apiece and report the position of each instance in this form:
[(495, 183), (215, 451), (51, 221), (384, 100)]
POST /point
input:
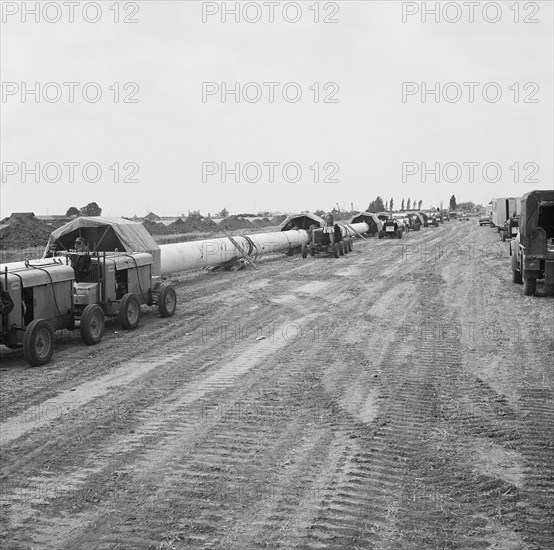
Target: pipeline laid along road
[(399, 397)]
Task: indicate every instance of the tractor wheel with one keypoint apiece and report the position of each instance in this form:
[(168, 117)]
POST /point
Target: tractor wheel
[(92, 324), (129, 311), (336, 250), (342, 248), (38, 343), (516, 274), (304, 251), (167, 301), (529, 286)]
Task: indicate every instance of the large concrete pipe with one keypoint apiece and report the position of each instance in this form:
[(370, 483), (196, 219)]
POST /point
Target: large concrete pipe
[(177, 257)]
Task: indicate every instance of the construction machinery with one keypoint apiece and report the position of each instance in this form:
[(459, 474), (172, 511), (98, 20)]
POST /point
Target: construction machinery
[(78, 290), (532, 250), (326, 240), (42, 293), (391, 229)]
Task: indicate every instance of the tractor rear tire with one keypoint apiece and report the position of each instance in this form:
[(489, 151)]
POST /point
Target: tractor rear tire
[(529, 286), (38, 343), (92, 324), (516, 274), (167, 301), (129, 311), (336, 250)]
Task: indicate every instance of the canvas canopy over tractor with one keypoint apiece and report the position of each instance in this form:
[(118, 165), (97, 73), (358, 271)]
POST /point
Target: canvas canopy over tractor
[(103, 234)]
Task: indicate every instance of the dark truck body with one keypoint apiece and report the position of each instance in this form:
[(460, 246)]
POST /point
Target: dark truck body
[(533, 248)]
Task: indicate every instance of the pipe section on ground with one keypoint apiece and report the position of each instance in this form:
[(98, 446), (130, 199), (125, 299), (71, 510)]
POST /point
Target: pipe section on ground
[(177, 257)]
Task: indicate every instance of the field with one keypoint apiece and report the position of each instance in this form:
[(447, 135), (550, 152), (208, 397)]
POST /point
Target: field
[(399, 397)]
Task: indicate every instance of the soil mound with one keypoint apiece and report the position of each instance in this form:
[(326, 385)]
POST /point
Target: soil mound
[(232, 223), (23, 232)]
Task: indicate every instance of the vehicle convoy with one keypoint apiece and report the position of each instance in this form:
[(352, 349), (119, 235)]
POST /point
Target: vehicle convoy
[(532, 250), (510, 228)]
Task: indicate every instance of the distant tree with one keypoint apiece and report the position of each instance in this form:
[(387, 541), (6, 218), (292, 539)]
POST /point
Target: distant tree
[(72, 211), (91, 209), (376, 205), (402, 206), (386, 205), (409, 204), (320, 213), (453, 202), (224, 213), (419, 204), (466, 206), (391, 204)]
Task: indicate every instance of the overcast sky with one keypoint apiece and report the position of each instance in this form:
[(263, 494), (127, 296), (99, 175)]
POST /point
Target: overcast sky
[(368, 134)]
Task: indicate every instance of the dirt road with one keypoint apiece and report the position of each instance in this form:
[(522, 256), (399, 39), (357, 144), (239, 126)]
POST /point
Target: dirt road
[(398, 397)]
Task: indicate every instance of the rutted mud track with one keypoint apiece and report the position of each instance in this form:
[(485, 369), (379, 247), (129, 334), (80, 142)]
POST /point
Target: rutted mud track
[(395, 398)]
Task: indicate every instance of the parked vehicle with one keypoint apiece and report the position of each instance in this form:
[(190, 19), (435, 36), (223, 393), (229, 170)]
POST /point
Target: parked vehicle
[(533, 248)]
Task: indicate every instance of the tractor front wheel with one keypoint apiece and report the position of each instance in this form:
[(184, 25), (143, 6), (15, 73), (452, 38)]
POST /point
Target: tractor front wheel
[(167, 301), (38, 343), (129, 311), (92, 324)]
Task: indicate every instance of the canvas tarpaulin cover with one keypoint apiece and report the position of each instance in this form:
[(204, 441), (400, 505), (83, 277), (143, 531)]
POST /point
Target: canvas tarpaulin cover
[(301, 221), (530, 210), (104, 234)]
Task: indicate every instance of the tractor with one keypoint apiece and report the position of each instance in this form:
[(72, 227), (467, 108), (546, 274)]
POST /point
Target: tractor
[(116, 284), (328, 240), (42, 294), (77, 289), (391, 229), (532, 250)]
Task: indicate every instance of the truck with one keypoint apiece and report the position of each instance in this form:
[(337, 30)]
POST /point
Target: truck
[(532, 250), (502, 209)]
